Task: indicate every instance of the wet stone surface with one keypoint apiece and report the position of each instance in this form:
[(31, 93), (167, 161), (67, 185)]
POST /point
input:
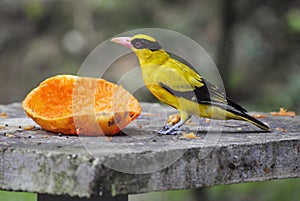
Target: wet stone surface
[(138, 160)]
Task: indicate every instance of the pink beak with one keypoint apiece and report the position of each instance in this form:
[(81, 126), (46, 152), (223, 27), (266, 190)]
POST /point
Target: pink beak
[(123, 41)]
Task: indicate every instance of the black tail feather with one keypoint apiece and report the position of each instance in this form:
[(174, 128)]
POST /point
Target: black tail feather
[(246, 117)]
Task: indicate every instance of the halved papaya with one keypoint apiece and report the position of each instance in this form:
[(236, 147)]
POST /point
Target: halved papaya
[(80, 105)]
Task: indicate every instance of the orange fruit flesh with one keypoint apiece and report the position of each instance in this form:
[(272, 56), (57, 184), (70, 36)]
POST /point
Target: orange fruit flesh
[(81, 105)]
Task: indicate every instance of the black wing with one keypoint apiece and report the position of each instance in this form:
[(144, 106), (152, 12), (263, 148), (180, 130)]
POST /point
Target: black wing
[(206, 94)]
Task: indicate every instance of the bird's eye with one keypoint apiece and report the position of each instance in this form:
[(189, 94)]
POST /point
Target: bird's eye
[(138, 44)]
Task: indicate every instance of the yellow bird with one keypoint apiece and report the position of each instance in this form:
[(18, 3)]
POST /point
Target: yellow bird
[(176, 82)]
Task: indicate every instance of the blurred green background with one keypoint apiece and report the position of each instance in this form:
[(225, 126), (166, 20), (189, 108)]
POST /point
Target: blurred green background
[(276, 190), (255, 45)]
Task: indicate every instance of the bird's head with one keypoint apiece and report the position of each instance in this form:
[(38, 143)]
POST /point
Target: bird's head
[(143, 45)]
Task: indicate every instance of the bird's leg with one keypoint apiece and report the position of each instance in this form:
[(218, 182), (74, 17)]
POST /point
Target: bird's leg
[(175, 129)]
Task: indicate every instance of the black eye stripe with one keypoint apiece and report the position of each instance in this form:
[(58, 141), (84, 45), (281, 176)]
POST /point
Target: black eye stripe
[(141, 43)]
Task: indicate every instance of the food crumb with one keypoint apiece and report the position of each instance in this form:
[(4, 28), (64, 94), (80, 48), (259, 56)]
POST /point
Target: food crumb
[(3, 115), (207, 120), (29, 127), (259, 116), (281, 129), (283, 112), (190, 135), (8, 135), (173, 119)]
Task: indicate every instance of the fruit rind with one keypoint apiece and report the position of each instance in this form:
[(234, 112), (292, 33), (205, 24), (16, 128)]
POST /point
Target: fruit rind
[(79, 105)]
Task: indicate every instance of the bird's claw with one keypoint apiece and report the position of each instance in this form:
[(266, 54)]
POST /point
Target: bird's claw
[(167, 130)]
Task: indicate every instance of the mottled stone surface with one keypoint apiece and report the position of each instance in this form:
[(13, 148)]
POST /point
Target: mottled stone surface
[(138, 160)]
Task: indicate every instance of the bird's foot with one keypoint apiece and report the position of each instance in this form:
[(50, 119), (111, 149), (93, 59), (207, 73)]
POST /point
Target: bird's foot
[(170, 130)]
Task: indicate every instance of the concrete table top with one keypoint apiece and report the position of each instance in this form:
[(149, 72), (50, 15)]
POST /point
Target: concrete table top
[(138, 160)]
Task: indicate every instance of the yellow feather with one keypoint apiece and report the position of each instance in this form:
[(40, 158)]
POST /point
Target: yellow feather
[(144, 37)]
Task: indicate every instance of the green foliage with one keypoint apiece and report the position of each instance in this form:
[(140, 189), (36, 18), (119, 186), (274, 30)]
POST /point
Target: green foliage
[(263, 191), (17, 196), (34, 9), (293, 20), (276, 190), (285, 94), (176, 195)]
